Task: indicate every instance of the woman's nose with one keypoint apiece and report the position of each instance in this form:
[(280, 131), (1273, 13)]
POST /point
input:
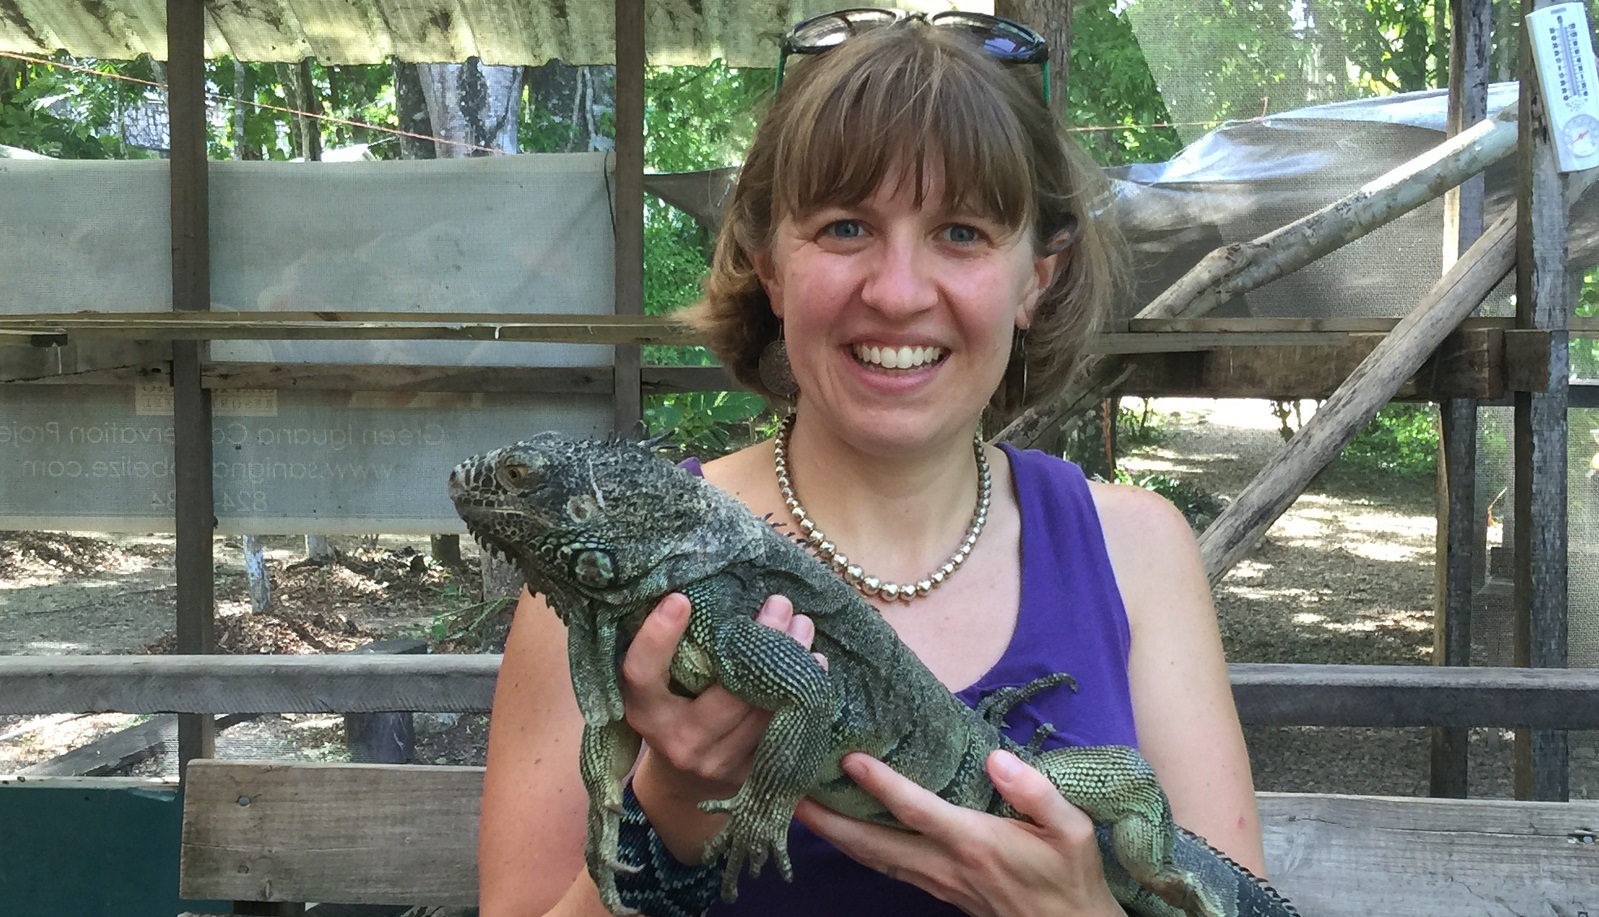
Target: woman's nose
[(900, 281)]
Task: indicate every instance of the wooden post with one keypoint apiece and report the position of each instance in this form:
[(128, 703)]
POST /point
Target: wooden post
[(1543, 300), (191, 291), (1471, 28), (629, 205)]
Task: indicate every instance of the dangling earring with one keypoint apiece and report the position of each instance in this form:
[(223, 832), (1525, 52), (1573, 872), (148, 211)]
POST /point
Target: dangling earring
[(774, 369), (1018, 356)]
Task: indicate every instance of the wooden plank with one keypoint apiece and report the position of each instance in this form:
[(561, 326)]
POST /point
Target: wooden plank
[(355, 833), (384, 833), (1456, 540), (1309, 695), (1263, 324), (628, 205), (1544, 300), (1467, 364), (121, 749), (444, 683), (1358, 695), (1359, 855), (241, 326), (1474, 365)]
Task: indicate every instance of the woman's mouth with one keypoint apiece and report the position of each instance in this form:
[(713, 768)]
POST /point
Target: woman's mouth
[(904, 357)]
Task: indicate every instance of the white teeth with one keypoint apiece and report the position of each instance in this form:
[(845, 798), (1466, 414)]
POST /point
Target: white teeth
[(898, 358)]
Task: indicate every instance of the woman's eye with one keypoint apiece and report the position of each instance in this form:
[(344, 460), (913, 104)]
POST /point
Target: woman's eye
[(962, 234), (844, 229)]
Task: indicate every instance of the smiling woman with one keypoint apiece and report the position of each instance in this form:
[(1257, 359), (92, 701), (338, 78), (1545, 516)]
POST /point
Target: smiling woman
[(912, 243)]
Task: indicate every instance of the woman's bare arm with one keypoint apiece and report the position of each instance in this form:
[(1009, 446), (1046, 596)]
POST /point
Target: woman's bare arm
[(1182, 700), (530, 839)]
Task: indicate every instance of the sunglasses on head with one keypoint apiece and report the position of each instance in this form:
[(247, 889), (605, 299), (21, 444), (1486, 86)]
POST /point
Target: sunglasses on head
[(1005, 41)]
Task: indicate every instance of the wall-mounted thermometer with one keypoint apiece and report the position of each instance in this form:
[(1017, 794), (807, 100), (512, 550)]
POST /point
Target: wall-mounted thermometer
[(1563, 49)]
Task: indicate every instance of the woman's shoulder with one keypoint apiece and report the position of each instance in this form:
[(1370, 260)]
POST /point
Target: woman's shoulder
[(746, 474), (1127, 513), (1139, 519)]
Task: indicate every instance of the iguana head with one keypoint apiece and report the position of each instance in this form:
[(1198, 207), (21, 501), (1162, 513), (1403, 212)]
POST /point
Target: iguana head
[(590, 520)]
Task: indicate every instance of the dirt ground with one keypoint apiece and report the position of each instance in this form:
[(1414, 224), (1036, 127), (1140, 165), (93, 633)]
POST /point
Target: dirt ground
[(1346, 576)]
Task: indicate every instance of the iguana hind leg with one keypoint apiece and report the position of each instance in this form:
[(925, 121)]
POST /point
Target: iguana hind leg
[(1116, 786), (608, 753)]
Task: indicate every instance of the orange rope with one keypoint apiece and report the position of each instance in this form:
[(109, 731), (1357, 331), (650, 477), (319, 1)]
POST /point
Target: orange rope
[(401, 133)]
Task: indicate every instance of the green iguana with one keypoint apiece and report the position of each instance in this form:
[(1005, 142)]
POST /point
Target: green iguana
[(605, 529)]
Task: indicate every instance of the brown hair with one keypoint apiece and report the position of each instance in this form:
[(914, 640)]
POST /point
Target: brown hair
[(844, 120)]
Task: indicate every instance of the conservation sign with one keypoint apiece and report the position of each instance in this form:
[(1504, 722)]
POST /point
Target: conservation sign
[(99, 458)]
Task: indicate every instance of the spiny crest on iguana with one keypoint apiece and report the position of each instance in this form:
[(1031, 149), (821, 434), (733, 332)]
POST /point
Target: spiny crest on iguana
[(605, 529)]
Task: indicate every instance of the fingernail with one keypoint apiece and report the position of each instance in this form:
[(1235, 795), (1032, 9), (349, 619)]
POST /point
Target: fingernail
[(853, 767), (1006, 765), (676, 611)]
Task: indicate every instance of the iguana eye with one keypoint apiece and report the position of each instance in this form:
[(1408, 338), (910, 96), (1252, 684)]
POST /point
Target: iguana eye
[(593, 568), (582, 508), (515, 474)]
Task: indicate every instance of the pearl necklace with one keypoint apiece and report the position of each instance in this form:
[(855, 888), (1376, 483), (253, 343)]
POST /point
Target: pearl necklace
[(823, 548)]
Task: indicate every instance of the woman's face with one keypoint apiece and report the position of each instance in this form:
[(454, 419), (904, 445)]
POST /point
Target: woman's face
[(898, 317)]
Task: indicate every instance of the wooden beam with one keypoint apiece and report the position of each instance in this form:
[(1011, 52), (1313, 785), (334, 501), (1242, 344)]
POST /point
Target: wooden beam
[(1357, 400), (629, 204), (1479, 363), (1544, 300), (1353, 324), (1457, 535), (1312, 695), (385, 833), (1466, 364), (347, 326), (121, 749), (191, 292), (1360, 695)]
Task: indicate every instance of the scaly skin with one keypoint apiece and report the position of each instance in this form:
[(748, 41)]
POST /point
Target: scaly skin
[(605, 529)]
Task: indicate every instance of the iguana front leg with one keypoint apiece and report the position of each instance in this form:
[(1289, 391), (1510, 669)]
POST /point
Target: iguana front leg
[(1117, 787), (608, 752), (591, 656), (770, 670)]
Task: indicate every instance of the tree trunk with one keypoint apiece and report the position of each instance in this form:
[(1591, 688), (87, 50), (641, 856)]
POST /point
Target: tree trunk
[(244, 91), (303, 98), (1053, 20), (471, 110), (1084, 437), (473, 107), (411, 108), (575, 98)]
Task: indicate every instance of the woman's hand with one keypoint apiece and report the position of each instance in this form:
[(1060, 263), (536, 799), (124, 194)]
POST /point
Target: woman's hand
[(983, 864), (696, 748)]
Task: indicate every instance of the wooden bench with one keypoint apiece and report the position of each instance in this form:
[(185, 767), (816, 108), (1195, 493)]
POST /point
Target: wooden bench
[(399, 834)]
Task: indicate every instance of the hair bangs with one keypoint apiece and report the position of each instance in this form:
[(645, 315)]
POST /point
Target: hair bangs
[(904, 118)]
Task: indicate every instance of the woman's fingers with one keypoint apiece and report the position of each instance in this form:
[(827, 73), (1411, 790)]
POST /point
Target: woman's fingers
[(1034, 796)]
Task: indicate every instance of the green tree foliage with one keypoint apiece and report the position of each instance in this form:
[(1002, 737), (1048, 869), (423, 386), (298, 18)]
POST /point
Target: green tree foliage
[(72, 111), (1401, 439), (1117, 112)]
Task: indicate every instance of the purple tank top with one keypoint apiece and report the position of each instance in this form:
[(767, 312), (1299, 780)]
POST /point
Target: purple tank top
[(1071, 619)]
